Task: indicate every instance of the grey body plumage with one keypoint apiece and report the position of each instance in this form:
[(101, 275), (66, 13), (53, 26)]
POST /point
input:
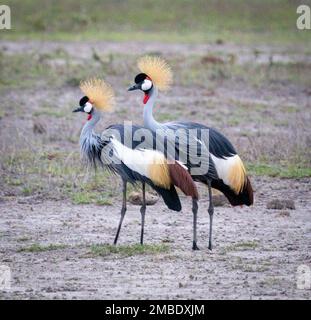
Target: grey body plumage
[(96, 149), (216, 144)]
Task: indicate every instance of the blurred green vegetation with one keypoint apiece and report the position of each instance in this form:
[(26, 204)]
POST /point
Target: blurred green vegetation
[(238, 21), (42, 248), (104, 250), (58, 68), (58, 174), (277, 170)]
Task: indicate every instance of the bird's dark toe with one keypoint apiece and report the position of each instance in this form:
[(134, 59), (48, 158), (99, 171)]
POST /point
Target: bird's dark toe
[(195, 247)]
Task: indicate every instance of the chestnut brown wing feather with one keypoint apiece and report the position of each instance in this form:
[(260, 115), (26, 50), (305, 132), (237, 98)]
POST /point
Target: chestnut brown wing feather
[(182, 179)]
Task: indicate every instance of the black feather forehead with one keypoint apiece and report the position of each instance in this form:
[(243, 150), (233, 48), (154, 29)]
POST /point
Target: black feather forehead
[(83, 101), (140, 77)]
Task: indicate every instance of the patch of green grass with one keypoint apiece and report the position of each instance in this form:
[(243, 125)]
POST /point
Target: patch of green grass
[(87, 197), (164, 116), (241, 246), (274, 170), (234, 121), (2, 114), (128, 250), (101, 190), (57, 175), (27, 191), (247, 107), (13, 181), (290, 109), (83, 198), (122, 113), (50, 113), (41, 248), (243, 112), (104, 201), (22, 70)]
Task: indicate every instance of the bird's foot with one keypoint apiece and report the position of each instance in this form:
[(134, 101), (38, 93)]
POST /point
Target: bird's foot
[(194, 246)]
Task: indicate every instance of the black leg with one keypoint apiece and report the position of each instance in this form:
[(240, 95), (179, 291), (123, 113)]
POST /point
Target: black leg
[(143, 211), (123, 210), (195, 213), (211, 212)]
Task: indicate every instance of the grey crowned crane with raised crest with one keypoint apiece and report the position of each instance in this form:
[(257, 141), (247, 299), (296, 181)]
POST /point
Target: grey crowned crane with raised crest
[(226, 171), (133, 164)]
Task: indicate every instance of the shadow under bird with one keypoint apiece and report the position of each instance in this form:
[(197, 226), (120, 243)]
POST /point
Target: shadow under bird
[(132, 163), (226, 171)]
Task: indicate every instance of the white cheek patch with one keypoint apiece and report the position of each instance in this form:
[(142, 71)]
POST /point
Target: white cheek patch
[(87, 107), (147, 84)]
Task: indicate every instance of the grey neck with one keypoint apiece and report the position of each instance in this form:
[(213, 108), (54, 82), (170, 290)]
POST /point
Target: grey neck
[(88, 136), (87, 129), (90, 143), (149, 120)]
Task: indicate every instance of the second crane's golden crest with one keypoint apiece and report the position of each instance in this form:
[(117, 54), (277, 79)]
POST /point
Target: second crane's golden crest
[(158, 70), (100, 93)]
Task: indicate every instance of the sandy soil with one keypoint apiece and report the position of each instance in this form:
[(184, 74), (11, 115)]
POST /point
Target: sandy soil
[(233, 270)]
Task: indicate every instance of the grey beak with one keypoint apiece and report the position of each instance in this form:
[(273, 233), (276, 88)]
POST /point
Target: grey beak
[(79, 109), (134, 87)]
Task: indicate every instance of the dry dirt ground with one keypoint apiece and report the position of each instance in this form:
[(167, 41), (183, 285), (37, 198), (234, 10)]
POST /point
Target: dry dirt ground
[(47, 235), (256, 250)]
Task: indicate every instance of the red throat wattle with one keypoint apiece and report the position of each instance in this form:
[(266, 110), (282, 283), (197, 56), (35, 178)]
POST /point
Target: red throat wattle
[(89, 117), (146, 98)]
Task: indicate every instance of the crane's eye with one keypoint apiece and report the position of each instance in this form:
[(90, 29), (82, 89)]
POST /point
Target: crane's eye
[(88, 107), (146, 85)]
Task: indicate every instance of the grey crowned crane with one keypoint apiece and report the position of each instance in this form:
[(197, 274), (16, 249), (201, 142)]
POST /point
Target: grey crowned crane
[(226, 171), (133, 164)]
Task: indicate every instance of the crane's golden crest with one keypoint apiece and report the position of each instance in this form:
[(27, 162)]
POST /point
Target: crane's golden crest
[(158, 70), (99, 92)]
